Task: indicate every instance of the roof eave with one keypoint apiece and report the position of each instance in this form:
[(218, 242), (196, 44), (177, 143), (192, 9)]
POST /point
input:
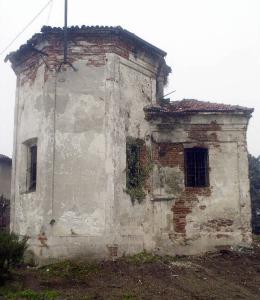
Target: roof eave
[(158, 114), (48, 30)]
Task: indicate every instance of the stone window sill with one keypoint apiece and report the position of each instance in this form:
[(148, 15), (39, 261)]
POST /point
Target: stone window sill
[(162, 198)]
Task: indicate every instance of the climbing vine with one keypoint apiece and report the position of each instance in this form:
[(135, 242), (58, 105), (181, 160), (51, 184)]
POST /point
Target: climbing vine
[(137, 170)]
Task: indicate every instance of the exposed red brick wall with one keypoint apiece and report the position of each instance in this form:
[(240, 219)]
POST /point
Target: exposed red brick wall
[(31, 67), (172, 155), (204, 132), (218, 224), (143, 155), (168, 154), (189, 197), (94, 52), (184, 204)]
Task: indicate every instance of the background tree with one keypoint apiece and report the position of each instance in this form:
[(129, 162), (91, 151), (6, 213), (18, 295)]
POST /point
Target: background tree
[(254, 176)]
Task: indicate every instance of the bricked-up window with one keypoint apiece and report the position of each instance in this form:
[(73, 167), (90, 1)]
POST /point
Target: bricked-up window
[(196, 167), (32, 170)]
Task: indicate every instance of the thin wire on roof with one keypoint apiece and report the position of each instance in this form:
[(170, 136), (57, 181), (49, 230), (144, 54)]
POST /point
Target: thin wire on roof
[(27, 26)]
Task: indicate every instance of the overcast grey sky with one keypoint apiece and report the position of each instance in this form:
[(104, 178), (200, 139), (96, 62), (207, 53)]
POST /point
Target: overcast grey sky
[(213, 46)]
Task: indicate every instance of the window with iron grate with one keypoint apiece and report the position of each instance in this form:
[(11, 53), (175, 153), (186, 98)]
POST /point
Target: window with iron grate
[(196, 167)]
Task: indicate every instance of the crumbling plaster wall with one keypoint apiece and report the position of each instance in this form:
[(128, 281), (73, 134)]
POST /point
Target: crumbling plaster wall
[(81, 120), (68, 113), (74, 117), (204, 218), (137, 88), (174, 219)]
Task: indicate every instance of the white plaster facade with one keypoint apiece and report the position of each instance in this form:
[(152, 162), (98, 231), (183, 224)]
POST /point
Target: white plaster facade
[(80, 120)]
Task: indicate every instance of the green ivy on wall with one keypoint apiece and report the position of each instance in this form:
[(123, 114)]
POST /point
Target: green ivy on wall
[(136, 171)]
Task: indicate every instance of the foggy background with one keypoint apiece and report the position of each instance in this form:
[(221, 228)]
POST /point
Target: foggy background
[(213, 46)]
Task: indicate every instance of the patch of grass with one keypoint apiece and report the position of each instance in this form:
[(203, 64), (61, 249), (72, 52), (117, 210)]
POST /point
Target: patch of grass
[(70, 269), (147, 258), (256, 238), (32, 295), (128, 297), (10, 287), (142, 258)]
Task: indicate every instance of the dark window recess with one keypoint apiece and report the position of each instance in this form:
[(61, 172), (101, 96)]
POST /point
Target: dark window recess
[(132, 165), (33, 167), (196, 167)]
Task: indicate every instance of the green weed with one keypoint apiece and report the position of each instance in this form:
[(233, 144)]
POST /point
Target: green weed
[(32, 295), (70, 269), (128, 297), (147, 258)]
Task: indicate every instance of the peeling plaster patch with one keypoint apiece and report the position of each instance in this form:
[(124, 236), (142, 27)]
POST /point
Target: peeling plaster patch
[(217, 225), (168, 177), (167, 181), (113, 251), (82, 223), (31, 67), (97, 145), (29, 216), (183, 206), (65, 140), (61, 104), (174, 181), (74, 117), (168, 154), (223, 236), (43, 239), (97, 61)]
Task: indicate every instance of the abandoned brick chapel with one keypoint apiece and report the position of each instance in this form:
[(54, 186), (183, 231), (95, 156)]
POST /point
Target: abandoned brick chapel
[(104, 165)]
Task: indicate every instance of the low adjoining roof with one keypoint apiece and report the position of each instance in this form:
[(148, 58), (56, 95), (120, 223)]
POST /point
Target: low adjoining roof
[(6, 159), (186, 106), (83, 30)]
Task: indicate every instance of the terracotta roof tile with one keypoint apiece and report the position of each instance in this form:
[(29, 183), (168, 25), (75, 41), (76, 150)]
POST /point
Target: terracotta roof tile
[(191, 105), (83, 30)]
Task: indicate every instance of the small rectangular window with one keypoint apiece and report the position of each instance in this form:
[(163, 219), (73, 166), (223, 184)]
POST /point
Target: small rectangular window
[(32, 167), (28, 175), (196, 167)]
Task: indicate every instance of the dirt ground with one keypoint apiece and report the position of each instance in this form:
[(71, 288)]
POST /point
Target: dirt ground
[(223, 275)]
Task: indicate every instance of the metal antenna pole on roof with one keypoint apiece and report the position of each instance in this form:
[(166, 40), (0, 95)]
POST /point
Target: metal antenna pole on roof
[(65, 31), (65, 38)]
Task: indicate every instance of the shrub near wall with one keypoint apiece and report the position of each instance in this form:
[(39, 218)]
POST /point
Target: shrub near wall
[(4, 213), (12, 250)]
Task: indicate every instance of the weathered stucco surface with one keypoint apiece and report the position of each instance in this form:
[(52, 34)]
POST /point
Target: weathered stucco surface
[(81, 120)]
